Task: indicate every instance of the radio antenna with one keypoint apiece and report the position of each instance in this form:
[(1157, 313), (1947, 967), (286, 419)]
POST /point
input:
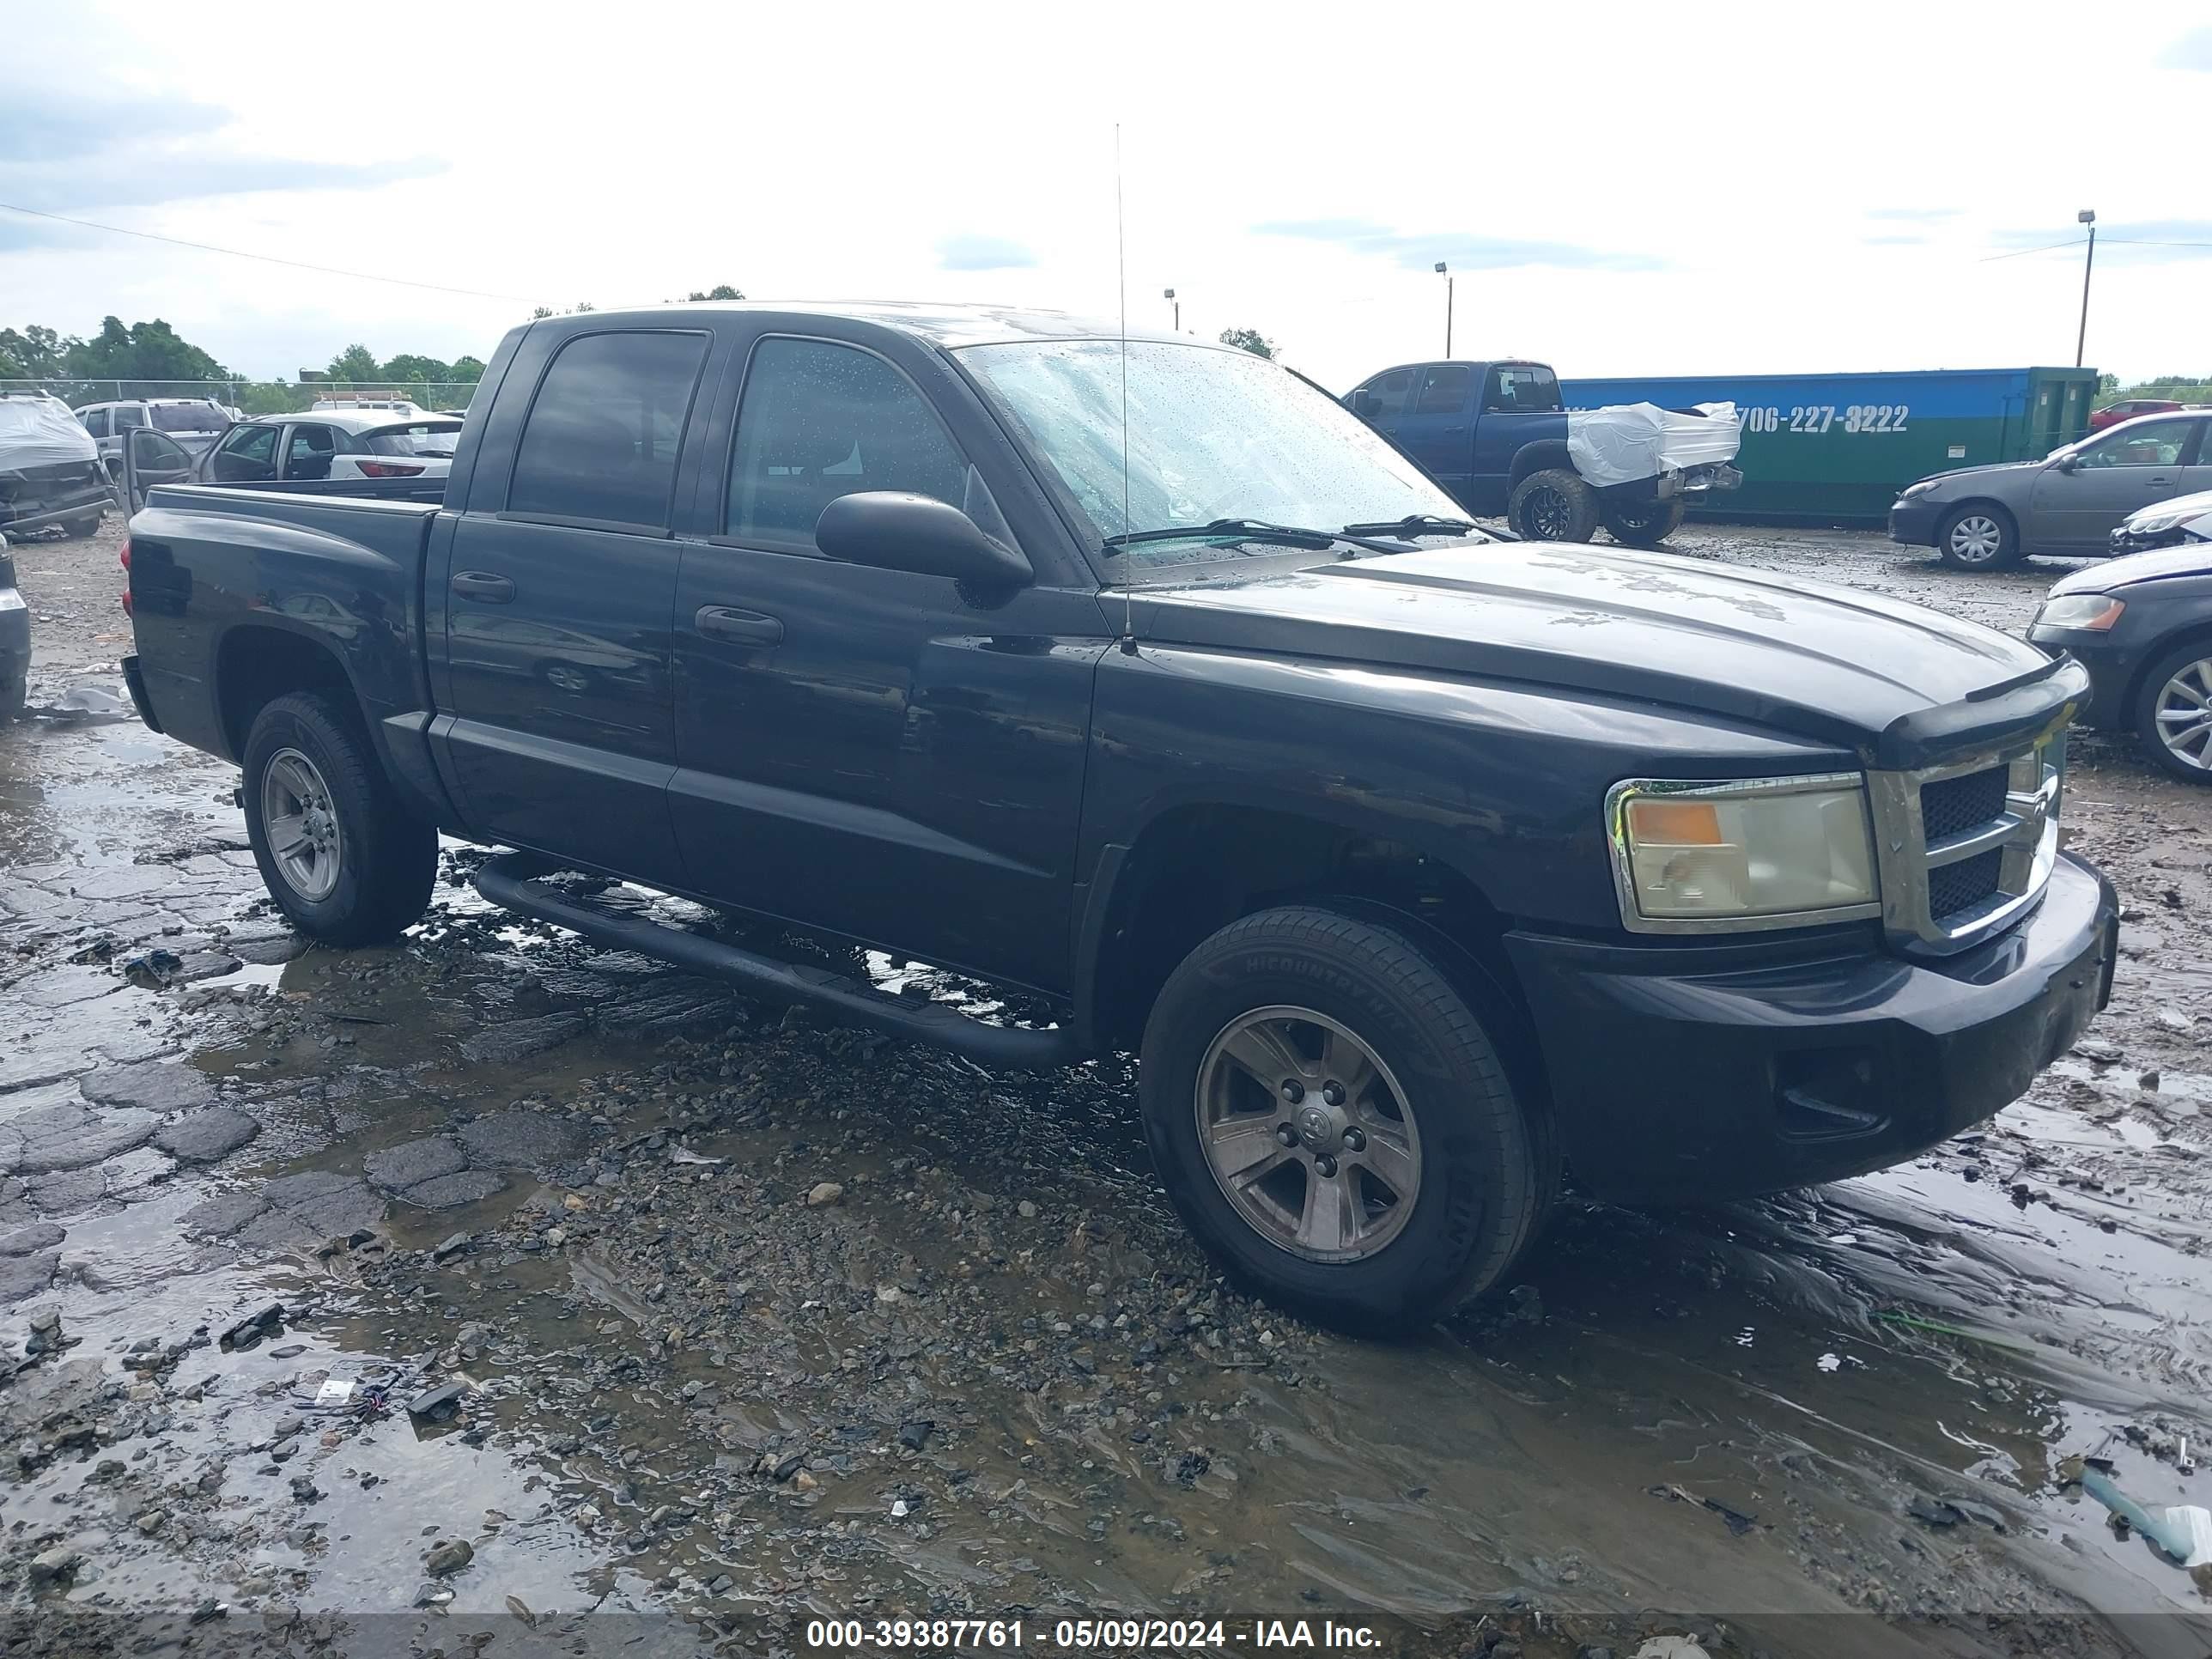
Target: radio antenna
[(1121, 272)]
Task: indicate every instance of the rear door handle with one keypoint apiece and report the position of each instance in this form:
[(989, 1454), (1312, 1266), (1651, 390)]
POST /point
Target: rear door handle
[(722, 622), (482, 584)]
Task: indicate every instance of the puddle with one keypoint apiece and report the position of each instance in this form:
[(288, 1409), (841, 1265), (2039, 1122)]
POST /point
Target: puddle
[(991, 1372)]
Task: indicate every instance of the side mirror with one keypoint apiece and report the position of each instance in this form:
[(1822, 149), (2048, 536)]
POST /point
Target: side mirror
[(2070, 463), (894, 531)]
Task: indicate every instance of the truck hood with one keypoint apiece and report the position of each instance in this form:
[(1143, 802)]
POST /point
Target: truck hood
[(1816, 661)]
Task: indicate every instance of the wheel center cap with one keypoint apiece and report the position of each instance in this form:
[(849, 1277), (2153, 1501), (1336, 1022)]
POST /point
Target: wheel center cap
[(1315, 1127)]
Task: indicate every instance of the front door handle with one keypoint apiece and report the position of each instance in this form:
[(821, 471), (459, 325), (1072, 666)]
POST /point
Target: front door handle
[(482, 584), (722, 622)]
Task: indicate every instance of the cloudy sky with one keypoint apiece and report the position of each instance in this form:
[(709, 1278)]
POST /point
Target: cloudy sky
[(1618, 189)]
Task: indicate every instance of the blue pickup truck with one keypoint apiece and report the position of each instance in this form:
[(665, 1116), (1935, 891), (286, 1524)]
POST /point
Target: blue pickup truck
[(1221, 735), (1496, 435)]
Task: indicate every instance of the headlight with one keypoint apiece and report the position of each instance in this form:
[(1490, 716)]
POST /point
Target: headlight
[(2155, 524), (1922, 487), (2094, 611), (1761, 853)]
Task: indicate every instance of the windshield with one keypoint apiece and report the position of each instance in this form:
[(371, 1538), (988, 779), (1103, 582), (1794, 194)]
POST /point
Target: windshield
[(1213, 434), (188, 417), (423, 438)]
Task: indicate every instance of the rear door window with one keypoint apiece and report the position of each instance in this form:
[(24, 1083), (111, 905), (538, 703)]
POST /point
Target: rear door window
[(308, 454), (600, 443), (248, 455), (130, 415), (1445, 388), (820, 420)]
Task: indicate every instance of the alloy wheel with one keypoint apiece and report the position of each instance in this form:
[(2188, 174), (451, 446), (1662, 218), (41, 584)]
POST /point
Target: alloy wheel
[(1308, 1135), (301, 825), (2183, 714)]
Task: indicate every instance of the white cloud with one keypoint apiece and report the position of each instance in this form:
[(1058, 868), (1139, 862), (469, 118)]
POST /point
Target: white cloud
[(1616, 191)]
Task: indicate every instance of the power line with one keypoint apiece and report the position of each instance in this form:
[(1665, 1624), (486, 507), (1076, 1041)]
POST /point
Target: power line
[(2071, 241), (266, 259), (2137, 241)]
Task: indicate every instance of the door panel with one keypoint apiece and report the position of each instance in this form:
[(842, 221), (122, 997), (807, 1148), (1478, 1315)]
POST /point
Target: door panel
[(1438, 427), (2132, 466), (558, 611), (873, 752)]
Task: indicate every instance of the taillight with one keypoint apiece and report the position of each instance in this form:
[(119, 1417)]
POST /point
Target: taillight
[(124, 555), (386, 469)]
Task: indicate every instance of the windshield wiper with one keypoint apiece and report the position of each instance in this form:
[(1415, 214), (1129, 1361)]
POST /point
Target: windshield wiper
[(1257, 530), (1413, 524), (1244, 530)]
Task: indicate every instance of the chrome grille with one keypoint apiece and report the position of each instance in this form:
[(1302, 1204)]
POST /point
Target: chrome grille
[(1950, 804), (1964, 847)]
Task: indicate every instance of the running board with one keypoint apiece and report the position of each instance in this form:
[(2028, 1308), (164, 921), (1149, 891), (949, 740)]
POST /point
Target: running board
[(508, 881)]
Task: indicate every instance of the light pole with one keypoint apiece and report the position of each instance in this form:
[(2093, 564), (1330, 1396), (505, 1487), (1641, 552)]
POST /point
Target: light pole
[(2085, 217), (1168, 294), (1444, 273)]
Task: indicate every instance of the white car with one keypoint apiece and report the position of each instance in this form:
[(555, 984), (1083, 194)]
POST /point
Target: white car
[(2174, 522), (347, 443)]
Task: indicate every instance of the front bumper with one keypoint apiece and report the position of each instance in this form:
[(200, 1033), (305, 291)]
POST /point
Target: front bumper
[(1733, 1079), (1914, 522), (2122, 543), (2112, 662)]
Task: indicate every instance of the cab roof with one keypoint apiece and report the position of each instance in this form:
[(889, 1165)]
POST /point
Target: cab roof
[(946, 325)]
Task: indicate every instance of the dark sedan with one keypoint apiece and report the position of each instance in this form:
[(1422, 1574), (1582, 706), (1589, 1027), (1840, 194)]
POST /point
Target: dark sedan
[(2141, 625)]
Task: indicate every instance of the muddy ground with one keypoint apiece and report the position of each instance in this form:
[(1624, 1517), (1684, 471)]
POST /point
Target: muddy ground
[(755, 1320)]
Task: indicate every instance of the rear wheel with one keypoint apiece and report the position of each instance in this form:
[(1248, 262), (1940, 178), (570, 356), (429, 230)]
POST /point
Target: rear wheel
[(344, 859), (2174, 711), (1332, 1120), (15, 688), (1978, 537), (1553, 505), (78, 528), (1646, 524)]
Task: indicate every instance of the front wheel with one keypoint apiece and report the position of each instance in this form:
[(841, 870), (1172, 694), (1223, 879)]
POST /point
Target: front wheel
[(78, 528), (2174, 713), (1334, 1123), (1553, 504), (345, 861), (1646, 524), (1978, 537)]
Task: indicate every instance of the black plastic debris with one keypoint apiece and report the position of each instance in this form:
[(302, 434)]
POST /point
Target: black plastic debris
[(249, 1331), (438, 1405)]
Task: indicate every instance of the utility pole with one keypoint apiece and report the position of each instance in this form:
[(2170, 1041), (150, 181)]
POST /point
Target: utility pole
[(1444, 273), (2085, 217), (1168, 294)]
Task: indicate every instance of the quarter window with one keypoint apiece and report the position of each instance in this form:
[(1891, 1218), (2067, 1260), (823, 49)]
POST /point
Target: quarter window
[(819, 420), (602, 439)]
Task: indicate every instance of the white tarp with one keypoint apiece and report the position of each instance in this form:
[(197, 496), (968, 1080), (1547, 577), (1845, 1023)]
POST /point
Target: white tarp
[(1629, 442), (41, 431)]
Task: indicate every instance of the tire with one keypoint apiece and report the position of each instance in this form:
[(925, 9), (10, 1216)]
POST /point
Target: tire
[(2178, 740), (78, 528), (1564, 505), (1646, 525), (15, 691), (367, 865), (1979, 536), (1278, 986)]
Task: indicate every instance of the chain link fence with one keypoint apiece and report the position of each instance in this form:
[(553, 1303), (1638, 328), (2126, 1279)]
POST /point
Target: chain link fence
[(255, 397)]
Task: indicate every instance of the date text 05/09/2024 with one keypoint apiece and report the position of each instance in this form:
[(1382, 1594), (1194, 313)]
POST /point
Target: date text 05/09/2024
[(1088, 1635)]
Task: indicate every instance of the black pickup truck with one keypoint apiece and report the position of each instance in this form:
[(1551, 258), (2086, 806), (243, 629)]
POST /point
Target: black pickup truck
[(1420, 868)]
